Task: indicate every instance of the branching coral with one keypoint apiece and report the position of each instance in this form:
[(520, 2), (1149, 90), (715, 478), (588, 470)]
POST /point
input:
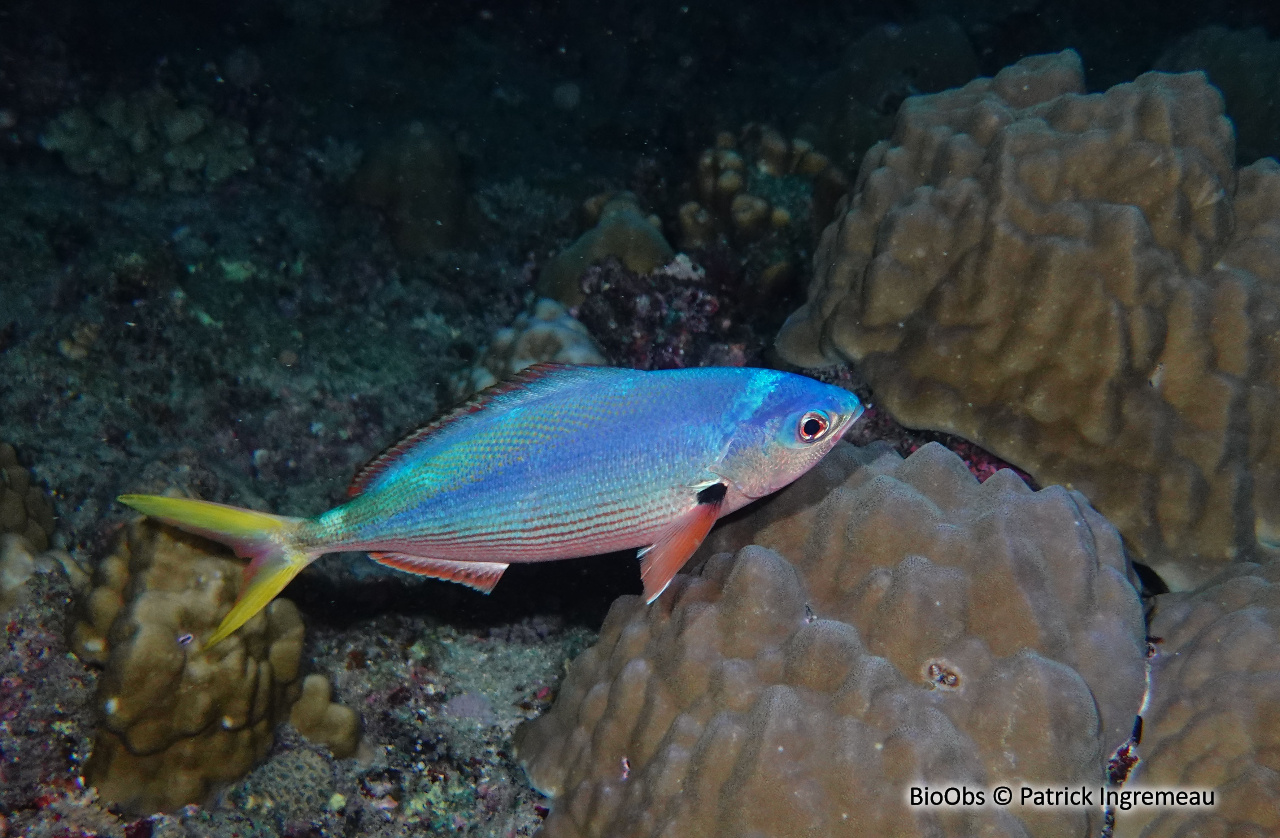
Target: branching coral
[(767, 196), (758, 185), (917, 628), (1083, 285), (176, 718)]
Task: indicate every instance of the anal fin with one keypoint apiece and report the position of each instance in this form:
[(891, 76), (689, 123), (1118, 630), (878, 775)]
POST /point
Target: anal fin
[(482, 576), (660, 563)]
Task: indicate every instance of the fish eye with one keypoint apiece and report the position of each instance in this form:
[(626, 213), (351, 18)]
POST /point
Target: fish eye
[(813, 425)]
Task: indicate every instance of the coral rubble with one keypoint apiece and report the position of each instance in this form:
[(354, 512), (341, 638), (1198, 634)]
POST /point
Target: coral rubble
[(1084, 285), (1081, 283), (914, 627)]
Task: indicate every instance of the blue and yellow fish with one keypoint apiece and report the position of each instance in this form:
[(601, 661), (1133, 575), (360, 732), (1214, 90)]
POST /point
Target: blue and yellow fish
[(561, 462)]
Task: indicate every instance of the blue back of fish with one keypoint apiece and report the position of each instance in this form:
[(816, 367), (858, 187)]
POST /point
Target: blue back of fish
[(576, 461)]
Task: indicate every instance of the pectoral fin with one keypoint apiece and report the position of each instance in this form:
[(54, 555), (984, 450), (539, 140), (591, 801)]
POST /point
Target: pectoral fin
[(659, 563), (482, 576)]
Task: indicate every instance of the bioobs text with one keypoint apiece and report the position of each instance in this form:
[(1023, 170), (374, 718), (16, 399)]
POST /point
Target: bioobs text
[(949, 796)]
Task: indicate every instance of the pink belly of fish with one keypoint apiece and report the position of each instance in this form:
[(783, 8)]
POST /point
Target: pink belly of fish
[(532, 543)]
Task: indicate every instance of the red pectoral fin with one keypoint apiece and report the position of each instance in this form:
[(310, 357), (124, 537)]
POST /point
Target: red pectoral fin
[(482, 576), (659, 563)]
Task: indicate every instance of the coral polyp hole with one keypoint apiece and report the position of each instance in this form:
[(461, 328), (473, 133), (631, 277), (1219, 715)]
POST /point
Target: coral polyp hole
[(942, 675)]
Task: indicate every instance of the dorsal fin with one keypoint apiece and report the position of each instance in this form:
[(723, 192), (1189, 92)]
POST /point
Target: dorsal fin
[(520, 382)]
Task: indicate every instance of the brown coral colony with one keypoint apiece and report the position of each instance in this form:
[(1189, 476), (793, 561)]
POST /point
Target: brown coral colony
[(724, 203), (177, 720), (1085, 285), (1082, 284)]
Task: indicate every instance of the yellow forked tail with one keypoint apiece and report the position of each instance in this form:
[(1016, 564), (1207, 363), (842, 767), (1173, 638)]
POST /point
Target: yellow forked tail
[(269, 540)]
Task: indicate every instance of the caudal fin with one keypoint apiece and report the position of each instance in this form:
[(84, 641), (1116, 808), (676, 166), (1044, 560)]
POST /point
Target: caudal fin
[(269, 540)]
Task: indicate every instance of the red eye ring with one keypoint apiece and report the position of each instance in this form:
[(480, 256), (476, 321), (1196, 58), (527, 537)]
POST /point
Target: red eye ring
[(812, 425)]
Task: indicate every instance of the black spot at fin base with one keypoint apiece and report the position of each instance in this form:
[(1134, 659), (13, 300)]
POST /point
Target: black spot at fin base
[(713, 494), (660, 562)]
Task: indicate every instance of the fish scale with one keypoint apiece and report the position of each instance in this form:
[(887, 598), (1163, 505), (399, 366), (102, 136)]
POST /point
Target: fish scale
[(596, 474), (561, 463)]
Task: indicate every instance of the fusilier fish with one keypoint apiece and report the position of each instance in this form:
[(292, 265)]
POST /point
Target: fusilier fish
[(561, 462)]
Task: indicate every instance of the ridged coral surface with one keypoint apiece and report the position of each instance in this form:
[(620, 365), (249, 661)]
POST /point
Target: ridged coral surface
[(1214, 715), (913, 627), (1084, 285)]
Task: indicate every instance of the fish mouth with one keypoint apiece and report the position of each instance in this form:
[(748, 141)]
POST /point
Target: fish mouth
[(841, 423), (845, 420)]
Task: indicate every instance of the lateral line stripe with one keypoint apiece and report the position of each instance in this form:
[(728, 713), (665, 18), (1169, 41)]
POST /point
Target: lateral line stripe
[(616, 515), (526, 537), (543, 533)]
